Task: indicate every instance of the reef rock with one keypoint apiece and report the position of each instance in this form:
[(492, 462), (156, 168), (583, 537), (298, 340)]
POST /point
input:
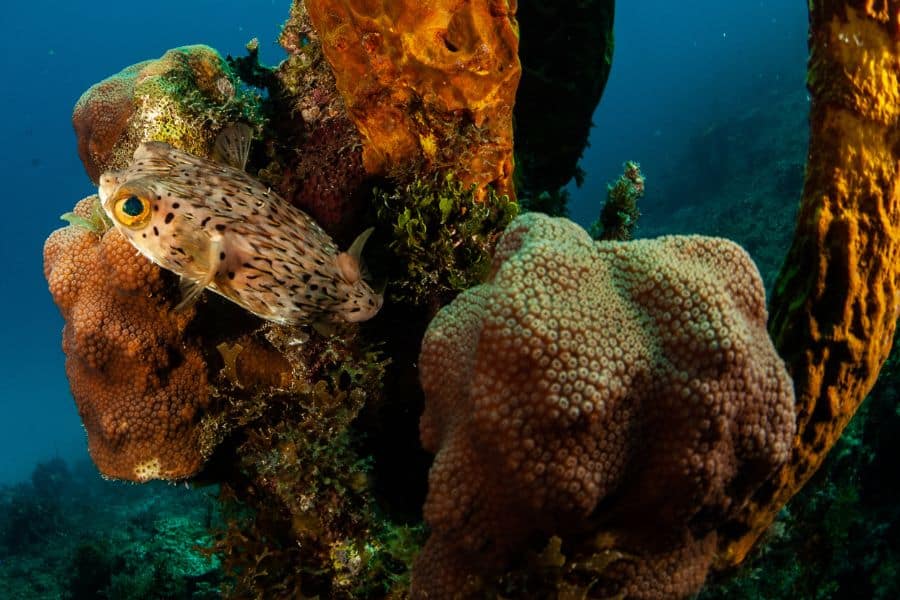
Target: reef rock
[(636, 377), (183, 98)]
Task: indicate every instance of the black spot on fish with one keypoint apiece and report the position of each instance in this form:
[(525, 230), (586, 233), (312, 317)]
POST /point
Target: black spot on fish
[(313, 286), (221, 256), (169, 218), (144, 235), (230, 274), (155, 230), (156, 207), (205, 221), (226, 202), (175, 205), (220, 227), (306, 277), (355, 309), (180, 251), (159, 197), (252, 276)]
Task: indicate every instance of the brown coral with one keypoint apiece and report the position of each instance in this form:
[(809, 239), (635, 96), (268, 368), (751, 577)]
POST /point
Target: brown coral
[(167, 100), (637, 375), (138, 380), (430, 82)]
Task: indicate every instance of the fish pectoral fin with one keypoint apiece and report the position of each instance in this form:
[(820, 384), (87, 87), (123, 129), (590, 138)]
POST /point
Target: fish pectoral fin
[(192, 288), (190, 292)]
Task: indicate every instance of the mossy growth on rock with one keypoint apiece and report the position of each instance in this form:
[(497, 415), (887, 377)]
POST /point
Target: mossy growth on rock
[(184, 98), (97, 223), (443, 233), (300, 517)]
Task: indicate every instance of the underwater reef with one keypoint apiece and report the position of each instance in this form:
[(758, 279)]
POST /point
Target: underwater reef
[(607, 418), (67, 533)]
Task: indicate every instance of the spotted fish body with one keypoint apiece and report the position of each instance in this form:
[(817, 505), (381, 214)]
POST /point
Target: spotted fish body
[(220, 229)]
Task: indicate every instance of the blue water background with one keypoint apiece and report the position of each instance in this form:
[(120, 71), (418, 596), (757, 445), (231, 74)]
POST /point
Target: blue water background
[(678, 67), (52, 52)]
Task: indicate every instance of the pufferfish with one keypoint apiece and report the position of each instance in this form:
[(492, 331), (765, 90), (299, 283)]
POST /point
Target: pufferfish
[(220, 229)]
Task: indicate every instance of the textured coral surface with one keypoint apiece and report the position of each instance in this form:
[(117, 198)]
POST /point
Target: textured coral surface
[(432, 81), (138, 380), (174, 99), (636, 374), (837, 298)]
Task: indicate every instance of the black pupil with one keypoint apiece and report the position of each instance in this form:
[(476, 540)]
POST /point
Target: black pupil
[(133, 207)]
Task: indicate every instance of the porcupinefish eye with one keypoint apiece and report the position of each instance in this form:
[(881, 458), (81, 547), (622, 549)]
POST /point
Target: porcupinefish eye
[(132, 211)]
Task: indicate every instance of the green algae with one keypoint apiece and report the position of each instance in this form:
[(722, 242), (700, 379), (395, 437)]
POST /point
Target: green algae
[(620, 213), (97, 223), (442, 235)]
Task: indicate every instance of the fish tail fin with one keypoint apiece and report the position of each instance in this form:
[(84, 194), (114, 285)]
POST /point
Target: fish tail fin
[(356, 247), (351, 262)]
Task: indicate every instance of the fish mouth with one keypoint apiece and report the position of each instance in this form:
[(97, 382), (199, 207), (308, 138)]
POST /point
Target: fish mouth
[(366, 312)]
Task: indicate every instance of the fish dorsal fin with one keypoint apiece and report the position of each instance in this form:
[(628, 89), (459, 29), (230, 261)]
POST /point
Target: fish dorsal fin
[(350, 262), (232, 146)]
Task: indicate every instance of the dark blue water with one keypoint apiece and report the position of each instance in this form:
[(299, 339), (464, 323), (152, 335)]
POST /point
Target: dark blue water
[(52, 52), (678, 67)]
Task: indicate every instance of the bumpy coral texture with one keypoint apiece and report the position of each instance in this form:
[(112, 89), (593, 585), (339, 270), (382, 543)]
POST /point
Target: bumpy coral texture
[(636, 374), (138, 380), (183, 98)]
